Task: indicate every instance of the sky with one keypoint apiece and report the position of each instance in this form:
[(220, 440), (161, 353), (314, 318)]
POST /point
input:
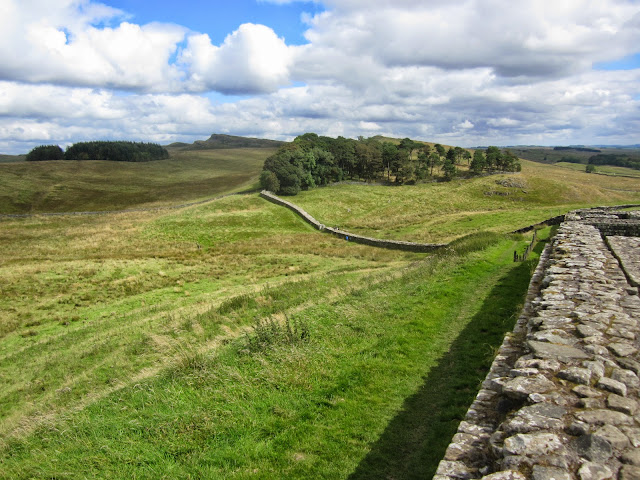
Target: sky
[(459, 72)]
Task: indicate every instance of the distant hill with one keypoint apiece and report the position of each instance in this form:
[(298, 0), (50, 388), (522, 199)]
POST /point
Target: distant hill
[(572, 154), (12, 158), (220, 141)]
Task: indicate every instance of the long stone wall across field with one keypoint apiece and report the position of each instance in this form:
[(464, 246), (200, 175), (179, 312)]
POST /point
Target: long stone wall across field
[(375, 242), (561, 400)]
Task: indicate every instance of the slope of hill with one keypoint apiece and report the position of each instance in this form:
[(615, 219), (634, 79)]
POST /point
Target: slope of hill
[(220, 141), (231, 340), (64, 186), (12, 158), (441, 212), (575, 155)]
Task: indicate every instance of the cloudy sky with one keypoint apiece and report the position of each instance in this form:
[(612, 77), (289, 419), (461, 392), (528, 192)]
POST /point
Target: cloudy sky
[(462, 72)]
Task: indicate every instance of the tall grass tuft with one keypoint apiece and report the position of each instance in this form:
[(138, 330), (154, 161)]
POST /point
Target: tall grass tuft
[(268, 333), (239, 302), (472, 243)]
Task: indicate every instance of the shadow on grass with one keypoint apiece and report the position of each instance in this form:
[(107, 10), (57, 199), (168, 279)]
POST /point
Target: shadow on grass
[(415, 440)]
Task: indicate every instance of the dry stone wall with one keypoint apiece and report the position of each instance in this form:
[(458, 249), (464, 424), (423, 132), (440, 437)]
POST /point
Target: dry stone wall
[(561, 400), (374, 242)]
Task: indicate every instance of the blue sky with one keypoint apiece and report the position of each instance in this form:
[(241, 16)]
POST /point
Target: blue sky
[(630, 62), (219, 18), (461, 72)]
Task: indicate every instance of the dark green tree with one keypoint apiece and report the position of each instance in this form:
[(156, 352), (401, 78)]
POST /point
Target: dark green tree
[(434, 161), (449, 169), (493, 158), (45, 152), (269, 181), (479, 162)]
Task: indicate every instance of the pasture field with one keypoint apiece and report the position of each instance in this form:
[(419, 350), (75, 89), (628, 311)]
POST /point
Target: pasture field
[(603, 169), (231, 340), (441, 212), (65, 186)]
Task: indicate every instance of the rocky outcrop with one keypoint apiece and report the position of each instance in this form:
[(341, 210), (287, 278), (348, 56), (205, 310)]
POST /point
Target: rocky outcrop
[(562, 398)]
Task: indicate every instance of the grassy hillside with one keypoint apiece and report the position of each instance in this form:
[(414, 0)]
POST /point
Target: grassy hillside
[(12, 158), (440, 212), (219, 141), (62, 186), (603, 169), (549, 155), (128, 331), (151, 344)]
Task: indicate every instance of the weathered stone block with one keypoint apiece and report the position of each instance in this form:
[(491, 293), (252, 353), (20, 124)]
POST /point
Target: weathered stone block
[(613, 435), (604, 417), (594, 471), (522, 387), (576, 375), (549, 473), (629, 472), (631, 457), (622, 349), (505, 475), (561, 353), (627, 377), (534, 444), (595, 449), (622, 404), (612, 385), (585, 391)]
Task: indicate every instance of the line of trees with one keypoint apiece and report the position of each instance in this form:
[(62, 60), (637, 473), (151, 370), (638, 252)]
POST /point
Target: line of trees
[(312, 160), (117, 151), (494, 160), (615, 160)]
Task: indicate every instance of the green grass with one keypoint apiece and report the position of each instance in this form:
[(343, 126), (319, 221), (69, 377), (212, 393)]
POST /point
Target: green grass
[(441, 212), (64, 186), (326, 407), (127, 341), (12, 158), (549, 155), (91, 302), (603, 169)]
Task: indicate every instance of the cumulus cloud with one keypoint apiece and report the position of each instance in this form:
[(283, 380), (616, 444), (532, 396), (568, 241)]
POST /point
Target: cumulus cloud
[(253, 59), (467, 72), (58, 42), (514, 39)]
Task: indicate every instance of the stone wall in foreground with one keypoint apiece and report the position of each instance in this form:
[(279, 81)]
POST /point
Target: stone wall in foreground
[(562, 398)]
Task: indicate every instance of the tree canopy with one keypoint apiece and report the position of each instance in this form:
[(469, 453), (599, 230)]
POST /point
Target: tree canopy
[(45, 152), (118, 151), (312, 160)]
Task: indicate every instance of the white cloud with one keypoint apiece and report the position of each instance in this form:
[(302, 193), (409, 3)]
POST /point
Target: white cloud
[(515, 39), (253, 59), (456, 71)]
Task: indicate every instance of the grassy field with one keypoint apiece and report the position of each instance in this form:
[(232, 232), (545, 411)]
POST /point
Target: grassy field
[(153, 368), (64, 186), (549, 155), (603, 169), (440, 212), (12, 158), (155, 344)]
